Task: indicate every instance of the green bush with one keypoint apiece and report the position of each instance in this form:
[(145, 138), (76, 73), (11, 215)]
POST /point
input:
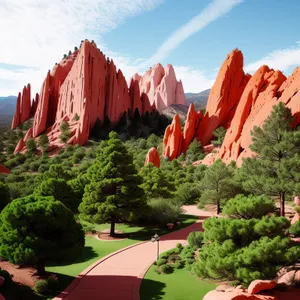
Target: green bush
[(195, 239), (179, 246), (161, 261), (179, 264), (162, 211), (53, 284), (295, 229), (41, 287), (188, 193), (297, 209), (166, 269), (248, 207)]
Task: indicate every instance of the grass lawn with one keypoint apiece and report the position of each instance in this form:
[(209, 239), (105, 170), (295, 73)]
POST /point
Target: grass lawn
[(95, 249), (179, 285)]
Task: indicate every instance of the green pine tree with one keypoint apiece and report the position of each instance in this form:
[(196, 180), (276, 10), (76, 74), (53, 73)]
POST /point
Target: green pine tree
[(218, 185), (114, 193), (275, 169), (154, 182)]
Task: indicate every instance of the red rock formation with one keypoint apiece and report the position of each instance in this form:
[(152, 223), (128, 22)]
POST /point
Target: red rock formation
[(82, 88), (161, 86), (23, 107), (257, 286), (17, 116), (224, 96), (21, 144), (4, 170), (34, 105), (240, 102), (153, 157), (261, 89), (192, 120), (173, 139)]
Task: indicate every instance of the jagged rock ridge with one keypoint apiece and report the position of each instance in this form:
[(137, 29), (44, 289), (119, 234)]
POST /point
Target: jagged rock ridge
[(238, 102), (87, 86)]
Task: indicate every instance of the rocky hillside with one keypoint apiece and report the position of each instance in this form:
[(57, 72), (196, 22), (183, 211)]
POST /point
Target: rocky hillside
[(238, 102), (85, 88), (199, 99)]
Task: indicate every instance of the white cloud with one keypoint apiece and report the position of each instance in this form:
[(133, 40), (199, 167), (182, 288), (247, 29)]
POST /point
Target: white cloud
[(215, 10), (281, 59), (36, 33), (194, 81)]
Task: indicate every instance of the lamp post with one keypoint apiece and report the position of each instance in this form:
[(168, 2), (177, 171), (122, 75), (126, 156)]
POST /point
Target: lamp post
[(156, 238)]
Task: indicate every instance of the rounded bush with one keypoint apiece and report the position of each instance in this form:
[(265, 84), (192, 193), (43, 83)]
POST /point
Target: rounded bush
[(195, 239), (161, 261), (179, 264), (166, 269), (41, 287), (295, 229)]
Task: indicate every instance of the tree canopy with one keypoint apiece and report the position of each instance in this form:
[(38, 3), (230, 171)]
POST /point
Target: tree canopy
[(114, 192), (275, 169), (35, 229), (4, 195)]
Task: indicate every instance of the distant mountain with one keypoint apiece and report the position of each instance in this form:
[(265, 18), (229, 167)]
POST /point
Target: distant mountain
[(174, 109), (199, 99), (7, 109), (8, 105)]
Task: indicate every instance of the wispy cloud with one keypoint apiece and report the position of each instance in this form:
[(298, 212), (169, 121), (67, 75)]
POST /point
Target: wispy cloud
[(193, 80), (215, 10), (36, 33), (281, 59)]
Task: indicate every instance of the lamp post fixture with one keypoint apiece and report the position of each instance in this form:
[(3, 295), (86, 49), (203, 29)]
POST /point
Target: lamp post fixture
[(156, 238)]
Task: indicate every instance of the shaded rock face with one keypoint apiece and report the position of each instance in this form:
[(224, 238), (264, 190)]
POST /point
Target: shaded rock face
[(25, 109), (239, 102), (153, 157), (4, 170), (161, 86)]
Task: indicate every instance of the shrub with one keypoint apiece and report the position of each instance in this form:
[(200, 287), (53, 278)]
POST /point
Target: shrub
[(162, 211), (161, 262), (53, 284), (297, 209), (195, 239), (248, 207), (188, 193), (179, 264), (166, 269), (295, 229), (41, 287), (179, 246)]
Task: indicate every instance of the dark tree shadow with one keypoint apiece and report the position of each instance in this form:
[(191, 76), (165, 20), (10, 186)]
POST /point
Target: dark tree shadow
[(105, 287), (78, 256)]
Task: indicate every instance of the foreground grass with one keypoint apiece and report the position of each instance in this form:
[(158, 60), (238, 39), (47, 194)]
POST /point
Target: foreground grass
[(95, 249), (176, 286)]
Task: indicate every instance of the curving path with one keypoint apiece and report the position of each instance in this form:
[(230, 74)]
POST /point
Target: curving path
[(118, 276)]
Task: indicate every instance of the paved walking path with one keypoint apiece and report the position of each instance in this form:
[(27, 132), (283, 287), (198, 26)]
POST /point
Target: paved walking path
[(118, 276)]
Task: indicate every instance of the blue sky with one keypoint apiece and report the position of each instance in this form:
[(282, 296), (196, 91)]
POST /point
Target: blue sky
[(193, 35)]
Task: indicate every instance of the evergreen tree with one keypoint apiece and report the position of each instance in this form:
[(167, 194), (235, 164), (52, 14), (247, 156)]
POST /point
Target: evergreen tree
[(218, 185), (60, 190), (245, 249), (4, 195), (154, 182), (35, 229), (248, 207), (114, 193), (31, 145), (194, 152), (275, 169), (44, 142), (219, 134)]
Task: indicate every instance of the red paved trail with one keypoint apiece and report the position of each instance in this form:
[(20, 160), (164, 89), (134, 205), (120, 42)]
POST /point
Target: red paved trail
[(118, 276)]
